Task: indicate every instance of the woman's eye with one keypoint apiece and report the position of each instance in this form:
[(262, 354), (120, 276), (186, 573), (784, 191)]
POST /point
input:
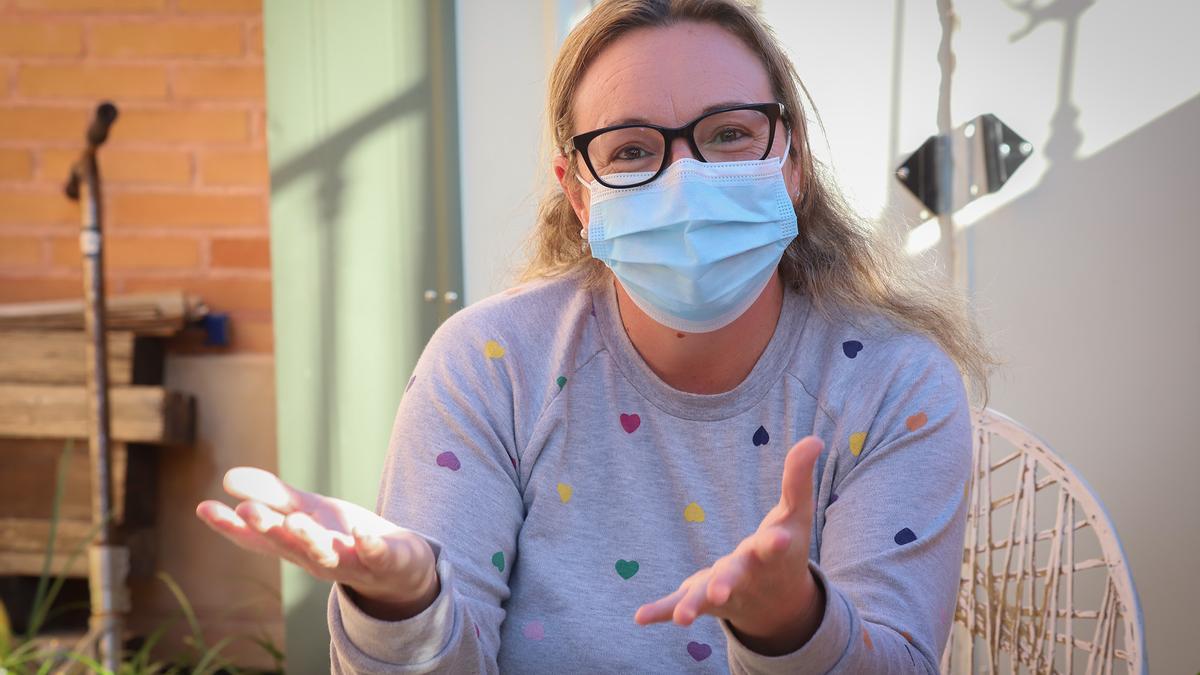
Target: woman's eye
[(728, 135), (630, 153)]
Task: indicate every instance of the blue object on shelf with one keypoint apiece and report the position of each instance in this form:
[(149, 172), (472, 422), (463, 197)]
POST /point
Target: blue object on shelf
[(216, 330)]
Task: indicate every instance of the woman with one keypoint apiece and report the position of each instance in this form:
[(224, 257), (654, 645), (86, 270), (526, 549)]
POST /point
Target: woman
[(718, 426)]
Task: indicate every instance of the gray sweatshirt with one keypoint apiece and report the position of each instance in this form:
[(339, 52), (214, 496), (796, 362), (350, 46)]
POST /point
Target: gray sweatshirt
[(562, 484)]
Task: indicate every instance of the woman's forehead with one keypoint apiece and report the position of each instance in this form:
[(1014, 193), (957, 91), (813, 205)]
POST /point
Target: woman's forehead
[(669, 76)]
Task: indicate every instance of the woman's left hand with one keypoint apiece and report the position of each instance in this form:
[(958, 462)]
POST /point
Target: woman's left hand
[(764, 588)]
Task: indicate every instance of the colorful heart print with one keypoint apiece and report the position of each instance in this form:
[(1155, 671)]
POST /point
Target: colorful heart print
[(761, 437), (534, 630), (857, 440), (916, 421), (498, 560), (630, 422), (561, 382), (693, 513), (905, 536), (449, 460), (493, 350), (627, 568), (698, 650), (564, 492), (851, 348)]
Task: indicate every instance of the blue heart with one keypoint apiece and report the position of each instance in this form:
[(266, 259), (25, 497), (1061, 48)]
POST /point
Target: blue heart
[(905, 536), (761, 437), (851, 348)]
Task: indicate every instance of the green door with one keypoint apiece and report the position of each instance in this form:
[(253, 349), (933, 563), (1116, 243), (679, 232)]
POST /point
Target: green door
[(365, 241)]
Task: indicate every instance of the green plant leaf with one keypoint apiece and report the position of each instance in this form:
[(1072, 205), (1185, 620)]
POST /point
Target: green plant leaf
[(39, 597), (5, 632)]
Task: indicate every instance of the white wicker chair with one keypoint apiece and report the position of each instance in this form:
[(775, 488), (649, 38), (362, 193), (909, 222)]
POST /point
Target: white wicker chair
[(1045, 587)]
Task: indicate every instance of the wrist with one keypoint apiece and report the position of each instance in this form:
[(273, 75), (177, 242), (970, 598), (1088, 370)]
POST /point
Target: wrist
[(789, 631), (384, 608)]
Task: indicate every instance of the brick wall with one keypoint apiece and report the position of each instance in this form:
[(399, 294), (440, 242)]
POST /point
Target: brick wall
[(185, 169)]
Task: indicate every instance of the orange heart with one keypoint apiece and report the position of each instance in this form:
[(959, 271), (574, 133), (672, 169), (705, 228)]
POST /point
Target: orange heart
[(916, 421)]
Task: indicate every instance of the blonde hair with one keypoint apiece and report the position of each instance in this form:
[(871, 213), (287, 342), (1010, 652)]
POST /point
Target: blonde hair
[(837, 259)]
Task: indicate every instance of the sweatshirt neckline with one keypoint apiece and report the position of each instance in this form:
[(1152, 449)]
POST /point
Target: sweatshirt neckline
[(771, 364)]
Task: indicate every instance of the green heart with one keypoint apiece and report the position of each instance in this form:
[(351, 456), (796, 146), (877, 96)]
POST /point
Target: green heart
[(498, 560), (627, 568), (562, 381)]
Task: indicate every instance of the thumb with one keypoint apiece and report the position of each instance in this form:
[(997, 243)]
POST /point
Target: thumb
[(796, 493), (373, 550)]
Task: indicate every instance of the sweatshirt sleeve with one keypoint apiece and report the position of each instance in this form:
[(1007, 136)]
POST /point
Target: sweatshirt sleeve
[(891, 543), (451, 476)]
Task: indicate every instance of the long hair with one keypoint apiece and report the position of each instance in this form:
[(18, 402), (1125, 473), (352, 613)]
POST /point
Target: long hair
[(837, 259)]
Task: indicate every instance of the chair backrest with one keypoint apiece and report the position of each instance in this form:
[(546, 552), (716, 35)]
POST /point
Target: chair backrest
[(1045, 586)]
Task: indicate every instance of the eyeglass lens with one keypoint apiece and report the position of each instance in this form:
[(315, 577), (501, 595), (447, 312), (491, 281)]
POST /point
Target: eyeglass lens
[(735, 135)]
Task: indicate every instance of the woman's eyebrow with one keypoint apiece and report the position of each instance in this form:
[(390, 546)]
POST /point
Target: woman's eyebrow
[(643, 120)]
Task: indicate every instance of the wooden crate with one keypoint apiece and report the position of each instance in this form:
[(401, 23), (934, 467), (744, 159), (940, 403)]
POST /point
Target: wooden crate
[(43, 403)]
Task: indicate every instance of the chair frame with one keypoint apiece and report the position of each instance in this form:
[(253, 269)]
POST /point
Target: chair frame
[(1007, 617)]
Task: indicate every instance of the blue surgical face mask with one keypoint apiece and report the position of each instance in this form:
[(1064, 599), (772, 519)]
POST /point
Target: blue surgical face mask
[(695, 247)]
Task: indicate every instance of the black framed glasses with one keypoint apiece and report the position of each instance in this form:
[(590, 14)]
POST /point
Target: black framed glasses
[(629, 155)]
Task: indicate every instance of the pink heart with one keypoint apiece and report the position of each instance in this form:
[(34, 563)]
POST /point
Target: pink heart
[(630, 423), (448, 460), (534, 630)]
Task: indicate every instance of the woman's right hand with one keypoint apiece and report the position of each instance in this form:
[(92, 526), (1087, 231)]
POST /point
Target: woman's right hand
[(389, 569)]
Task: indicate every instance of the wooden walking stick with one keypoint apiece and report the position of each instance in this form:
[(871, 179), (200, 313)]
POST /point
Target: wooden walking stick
[(108, 562)]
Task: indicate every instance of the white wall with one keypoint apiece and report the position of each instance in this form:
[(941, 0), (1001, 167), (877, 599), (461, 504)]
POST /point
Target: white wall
[(505, 50), (1082, 268)]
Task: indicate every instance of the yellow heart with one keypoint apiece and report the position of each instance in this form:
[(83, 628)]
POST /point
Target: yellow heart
[(564, 492), (693, 513), (856, 442), (493, 350)]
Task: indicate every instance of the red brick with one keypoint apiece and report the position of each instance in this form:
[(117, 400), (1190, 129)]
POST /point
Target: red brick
[(235, 167), (37, 288), (120, 165), (20, 252), (40, 38), (90, 81), (134, 253), (182, 125), (37, 207), (183, 209), (167, 38), (91, 5), (252, 336), (254, 38), (245, 253), (43, 124), (219, 82), (221, 295), (15, 164), (246, 6)]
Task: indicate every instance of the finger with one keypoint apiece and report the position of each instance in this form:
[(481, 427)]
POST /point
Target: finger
[(796, 492), (661, 609), (260, 516), (229, 524), (251, 484), (727, 575), (771, 543), (373, 551), (317, 541), (694, 602)]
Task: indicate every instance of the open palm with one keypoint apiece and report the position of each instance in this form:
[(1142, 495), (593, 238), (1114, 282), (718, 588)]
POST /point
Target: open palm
[(331, 539)]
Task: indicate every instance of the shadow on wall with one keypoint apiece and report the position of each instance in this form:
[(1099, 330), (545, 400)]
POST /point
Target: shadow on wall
[(1088, 283), (1065, 138)]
